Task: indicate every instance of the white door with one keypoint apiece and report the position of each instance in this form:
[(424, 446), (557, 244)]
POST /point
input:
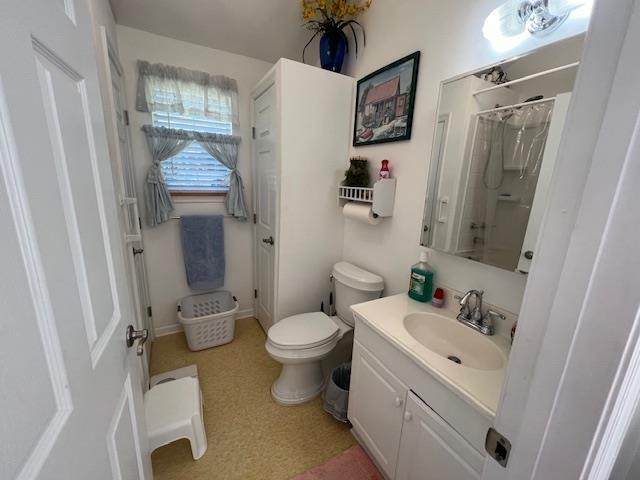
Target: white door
[(124, 179), (432, 201), (431, 450), (266, 205), (560, 107), (577, 338), (376, 405), (71, 400)]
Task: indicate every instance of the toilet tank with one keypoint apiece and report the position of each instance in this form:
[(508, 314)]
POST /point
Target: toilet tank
[(353, 285)]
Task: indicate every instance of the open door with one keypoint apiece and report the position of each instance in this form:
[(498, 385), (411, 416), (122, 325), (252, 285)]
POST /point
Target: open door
[(560, 107), (117, 119), (564, 405), (71, 401)]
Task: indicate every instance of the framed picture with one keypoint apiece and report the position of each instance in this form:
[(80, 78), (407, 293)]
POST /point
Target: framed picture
[(385, 99)]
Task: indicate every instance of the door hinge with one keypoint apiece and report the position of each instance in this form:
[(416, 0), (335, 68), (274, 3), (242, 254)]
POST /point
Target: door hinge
[(497, 446), (255, 219), (255, 293), (125, 114), (253, 132), (149, 312), (140, 223)]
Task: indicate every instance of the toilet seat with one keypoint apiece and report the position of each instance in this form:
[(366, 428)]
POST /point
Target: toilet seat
[(303, 331)]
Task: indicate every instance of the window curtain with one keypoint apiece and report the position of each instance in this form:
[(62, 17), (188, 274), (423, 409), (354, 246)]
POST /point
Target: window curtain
[(167, 142), (224, 148), (163, 143), (164, 88)]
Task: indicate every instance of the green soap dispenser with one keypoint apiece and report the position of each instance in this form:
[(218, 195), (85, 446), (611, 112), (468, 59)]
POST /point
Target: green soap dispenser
[(421, 280)]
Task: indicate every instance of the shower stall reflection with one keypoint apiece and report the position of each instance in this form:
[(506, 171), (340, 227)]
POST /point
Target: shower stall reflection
[(507, 153)]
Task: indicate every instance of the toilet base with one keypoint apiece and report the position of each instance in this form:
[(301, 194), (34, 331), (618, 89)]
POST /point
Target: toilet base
[(298, 383)]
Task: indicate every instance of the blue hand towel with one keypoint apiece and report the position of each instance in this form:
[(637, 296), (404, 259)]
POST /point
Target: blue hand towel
[(203, 250)]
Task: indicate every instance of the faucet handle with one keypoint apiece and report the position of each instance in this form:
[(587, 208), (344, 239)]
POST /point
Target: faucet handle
[(463, 301), (493, 313)]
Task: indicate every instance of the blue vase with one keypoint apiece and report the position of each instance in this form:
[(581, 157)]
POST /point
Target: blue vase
[(332, 49)]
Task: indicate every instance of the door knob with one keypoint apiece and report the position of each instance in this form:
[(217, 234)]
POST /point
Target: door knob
[(268, 241), (408, 416), (137, 251), (140, 335), (397, 402), (528, 254)]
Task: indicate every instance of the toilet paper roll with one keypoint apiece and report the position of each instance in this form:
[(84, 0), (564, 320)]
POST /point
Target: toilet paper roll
[(360, 212)]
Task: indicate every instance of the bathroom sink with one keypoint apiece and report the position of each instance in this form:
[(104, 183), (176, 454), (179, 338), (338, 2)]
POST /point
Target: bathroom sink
[(454, 341)]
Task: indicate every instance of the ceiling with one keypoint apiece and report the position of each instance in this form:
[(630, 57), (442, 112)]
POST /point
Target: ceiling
[(266, 30)]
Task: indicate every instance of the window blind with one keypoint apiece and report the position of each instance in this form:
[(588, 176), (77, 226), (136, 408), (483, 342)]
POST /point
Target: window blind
[(194, 169)]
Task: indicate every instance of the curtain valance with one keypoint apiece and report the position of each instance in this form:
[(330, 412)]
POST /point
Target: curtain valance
[(165, 88)]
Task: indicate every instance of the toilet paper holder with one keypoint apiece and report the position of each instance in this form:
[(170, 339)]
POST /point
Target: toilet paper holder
[(381, 196)]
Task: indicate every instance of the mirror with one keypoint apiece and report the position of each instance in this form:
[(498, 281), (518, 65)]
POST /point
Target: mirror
[(494, 151)]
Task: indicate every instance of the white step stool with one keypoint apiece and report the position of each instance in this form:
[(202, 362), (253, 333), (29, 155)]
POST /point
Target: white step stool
[(189, 371), (173, 411)]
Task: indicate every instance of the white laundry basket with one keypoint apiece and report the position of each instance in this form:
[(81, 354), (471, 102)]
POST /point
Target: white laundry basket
[(208, 318)]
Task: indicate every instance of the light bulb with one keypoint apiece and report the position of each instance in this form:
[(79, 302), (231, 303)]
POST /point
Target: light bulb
[(504, 20), (560, 8)]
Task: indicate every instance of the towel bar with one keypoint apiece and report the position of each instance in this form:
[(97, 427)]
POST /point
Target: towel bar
[(179, 217)]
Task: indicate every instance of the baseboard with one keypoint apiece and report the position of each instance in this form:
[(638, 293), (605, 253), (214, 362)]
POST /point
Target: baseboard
[(167, 329), (249, 312), (176, 327)]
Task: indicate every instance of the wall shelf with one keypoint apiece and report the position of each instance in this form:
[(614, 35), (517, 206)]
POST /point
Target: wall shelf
[(357, 194), (381, 196), (528, 77)]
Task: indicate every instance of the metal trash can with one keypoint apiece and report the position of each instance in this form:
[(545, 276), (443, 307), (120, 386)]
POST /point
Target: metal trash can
[(336, 393)]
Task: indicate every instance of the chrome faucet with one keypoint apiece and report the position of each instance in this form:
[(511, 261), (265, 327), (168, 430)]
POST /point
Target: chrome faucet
[(475, 318)]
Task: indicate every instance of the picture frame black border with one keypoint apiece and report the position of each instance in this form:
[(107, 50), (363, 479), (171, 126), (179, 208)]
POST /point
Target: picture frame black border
[(415, 56)]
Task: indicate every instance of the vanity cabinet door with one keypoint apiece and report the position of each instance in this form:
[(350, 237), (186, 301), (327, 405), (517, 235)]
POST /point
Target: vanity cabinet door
[(431, 450), (376, 407)]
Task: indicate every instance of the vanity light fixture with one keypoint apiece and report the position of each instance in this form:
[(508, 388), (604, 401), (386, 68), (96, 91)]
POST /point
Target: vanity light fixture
[(535, 17)]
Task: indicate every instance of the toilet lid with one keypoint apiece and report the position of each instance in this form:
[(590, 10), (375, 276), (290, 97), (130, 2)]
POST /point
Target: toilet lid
[(303, 331)]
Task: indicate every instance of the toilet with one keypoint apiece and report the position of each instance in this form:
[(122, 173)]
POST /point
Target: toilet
[(301, 342)]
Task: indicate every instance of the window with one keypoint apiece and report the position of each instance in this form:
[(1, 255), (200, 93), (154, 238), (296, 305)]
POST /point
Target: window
[(193, 116), (194, 170)]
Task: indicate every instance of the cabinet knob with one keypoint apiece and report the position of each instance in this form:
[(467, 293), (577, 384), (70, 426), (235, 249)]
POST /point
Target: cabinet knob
[(408, 416), (397, 402)]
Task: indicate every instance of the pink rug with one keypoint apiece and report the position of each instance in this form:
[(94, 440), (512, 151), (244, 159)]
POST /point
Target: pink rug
[(352, 464)]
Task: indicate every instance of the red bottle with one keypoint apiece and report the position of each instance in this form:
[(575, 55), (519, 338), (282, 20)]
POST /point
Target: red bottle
[(384, 170), (438, 298)]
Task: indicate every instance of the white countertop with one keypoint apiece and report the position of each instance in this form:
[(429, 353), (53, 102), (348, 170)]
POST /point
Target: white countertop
[(479, 388)]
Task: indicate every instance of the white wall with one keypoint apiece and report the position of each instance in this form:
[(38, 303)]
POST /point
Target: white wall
[(449, 35), (163, 251)]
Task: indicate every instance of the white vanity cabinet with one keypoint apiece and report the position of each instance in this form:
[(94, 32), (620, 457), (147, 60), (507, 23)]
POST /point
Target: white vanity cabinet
[(431, 450), (413, 426), (376, 407)]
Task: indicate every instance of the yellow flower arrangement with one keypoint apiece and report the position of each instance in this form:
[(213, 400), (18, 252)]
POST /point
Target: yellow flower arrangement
[(333, 17), (336, 9)]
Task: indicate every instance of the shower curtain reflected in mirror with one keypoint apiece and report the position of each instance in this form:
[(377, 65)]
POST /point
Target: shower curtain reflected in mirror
[(508, 147)]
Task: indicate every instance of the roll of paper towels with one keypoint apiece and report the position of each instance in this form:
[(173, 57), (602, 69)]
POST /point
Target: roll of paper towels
[(360, 212)]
